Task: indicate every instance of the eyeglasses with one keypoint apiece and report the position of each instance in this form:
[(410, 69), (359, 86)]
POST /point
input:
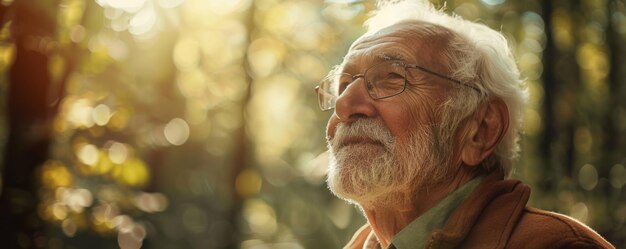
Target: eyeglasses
[(382, 80)]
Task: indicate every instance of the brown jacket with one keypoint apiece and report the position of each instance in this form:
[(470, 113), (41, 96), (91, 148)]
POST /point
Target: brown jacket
[(495, 215)]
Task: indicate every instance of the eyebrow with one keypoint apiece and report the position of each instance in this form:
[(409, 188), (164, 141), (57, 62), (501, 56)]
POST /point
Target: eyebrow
[(380, 57), (387, 56)]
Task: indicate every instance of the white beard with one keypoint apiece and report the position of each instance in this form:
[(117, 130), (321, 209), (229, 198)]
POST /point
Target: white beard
[(381, 172)]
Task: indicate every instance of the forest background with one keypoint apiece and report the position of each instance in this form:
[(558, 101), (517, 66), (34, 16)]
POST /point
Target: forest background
[(193, 123)]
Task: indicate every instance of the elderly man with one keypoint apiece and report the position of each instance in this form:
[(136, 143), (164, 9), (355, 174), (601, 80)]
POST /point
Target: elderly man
[(428, 109)]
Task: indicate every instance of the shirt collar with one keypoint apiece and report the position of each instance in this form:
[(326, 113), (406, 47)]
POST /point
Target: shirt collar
[(416, 232)]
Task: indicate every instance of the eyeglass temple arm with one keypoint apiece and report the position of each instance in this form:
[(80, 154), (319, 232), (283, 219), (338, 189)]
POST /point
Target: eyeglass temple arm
[(445, 77)]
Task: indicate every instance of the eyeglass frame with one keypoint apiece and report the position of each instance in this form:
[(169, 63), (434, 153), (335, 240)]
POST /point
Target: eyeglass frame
[(406, 80)]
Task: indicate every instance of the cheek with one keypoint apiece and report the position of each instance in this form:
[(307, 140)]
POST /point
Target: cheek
[(422, 107), (408, 113), (331, 127)]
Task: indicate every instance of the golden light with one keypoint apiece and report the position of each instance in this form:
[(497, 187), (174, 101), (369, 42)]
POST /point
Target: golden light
[(151, 202), (130, 234), (144, 21), (234, 90), (168, 4), (287, 17), (113, 13), (192, 84), (563, 36), (130, 6), (186, 54), (123, 223), (71, 12), (88, 154), (311, 37), (118, 153), (176, 131), (77, 199), (104, 215), (217, 71), (101, 114), (77, 33), (590, 56), (119, 119), (7, 54), (265, 55), (104, 164), (119, 23), (195, 12), (225, 7), (54, 174), (235, 33), (56, 67), (223, 46), (116, 48), (260, 217), (248, 183), (308, 66), (279, 119), (133, 172), (80, 113), (69, 228), (6, 2), (59, 211), (196, 114)]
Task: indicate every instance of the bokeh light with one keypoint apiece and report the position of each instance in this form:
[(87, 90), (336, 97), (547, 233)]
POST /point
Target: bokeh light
[(176, 131)]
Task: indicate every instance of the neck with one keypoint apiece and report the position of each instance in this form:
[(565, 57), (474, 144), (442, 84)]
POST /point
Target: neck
[(387, 220)]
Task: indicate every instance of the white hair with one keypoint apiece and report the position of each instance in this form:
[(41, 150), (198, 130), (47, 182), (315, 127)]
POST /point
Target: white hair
[(384, 174), (478, 56)]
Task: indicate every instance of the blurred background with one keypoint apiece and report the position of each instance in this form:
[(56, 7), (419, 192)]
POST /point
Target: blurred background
[(193, 123)]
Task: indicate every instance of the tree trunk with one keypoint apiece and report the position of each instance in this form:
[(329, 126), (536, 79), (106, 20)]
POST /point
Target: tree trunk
[(549, 85), (29, 119)]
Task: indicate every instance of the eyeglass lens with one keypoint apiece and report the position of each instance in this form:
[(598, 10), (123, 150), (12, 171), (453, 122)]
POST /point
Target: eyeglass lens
[(382, 80)]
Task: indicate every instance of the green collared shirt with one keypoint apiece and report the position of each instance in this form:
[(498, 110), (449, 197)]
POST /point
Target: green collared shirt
[(414, 235)]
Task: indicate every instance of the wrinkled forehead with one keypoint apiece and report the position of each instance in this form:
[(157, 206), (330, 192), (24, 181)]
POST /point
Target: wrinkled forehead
[(414, 42)]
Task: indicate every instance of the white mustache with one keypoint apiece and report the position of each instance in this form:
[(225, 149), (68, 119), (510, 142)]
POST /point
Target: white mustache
[(362, 130)]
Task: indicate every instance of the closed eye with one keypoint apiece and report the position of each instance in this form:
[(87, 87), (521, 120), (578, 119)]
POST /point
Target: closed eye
[(390, 78), (394, 76)]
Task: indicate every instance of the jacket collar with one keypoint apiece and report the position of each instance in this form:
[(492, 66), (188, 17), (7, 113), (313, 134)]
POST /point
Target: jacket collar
[(502, 200)]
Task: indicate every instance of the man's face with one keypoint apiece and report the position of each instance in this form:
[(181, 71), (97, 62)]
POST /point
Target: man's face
[(382, 146)]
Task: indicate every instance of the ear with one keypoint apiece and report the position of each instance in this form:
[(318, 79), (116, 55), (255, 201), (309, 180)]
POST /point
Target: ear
[(485, 131)]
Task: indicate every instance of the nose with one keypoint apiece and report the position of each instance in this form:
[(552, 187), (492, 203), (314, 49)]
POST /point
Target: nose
[(355, 102)]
